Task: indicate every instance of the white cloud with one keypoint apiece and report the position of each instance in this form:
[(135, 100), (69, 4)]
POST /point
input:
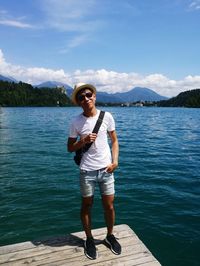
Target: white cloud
[(7, 20), (71, 15), (194, 5), (15, 23), (2, 59), (32, 75), (76, 41), (70, 9), (74, 16), (109, 81)]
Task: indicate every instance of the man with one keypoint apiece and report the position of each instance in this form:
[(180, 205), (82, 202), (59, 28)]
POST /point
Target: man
[(97, 164)]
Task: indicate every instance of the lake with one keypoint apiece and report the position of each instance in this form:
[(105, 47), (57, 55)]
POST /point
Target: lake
[(157, 182)]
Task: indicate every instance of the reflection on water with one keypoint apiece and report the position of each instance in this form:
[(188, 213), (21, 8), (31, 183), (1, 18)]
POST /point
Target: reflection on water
[(157, 182)]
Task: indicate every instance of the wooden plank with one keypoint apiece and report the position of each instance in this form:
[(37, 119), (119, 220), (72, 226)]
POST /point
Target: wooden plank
[(68, 250), (73, 255), (74, 238)]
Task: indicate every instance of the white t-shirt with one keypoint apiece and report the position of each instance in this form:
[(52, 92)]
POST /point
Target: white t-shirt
[(99, 155)]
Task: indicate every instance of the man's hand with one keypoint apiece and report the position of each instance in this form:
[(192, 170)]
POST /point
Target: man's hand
[(74, 144), (90, 138), (111, 167)]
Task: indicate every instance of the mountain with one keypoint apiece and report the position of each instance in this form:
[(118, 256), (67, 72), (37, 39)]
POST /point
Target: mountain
[(54, 84), (140, 94), (189, 98), (134, 95), (104, 97), (8, 79), (184, 99)]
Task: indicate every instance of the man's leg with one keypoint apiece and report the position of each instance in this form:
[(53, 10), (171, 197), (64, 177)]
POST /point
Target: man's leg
[(110, 220), (86, 215), (89, 245), (109, 212)]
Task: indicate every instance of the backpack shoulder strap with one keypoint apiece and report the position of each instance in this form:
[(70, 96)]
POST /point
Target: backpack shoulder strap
[(95, 130), (99, 122)]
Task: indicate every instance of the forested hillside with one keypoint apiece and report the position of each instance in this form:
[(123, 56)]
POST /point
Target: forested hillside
[(184, 99), (23, 94)]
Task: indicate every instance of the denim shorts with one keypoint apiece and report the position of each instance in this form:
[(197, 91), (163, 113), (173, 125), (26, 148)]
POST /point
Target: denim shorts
[(89, 179)]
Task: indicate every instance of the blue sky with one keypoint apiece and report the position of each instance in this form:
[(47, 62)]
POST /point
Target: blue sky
[(114, 44)]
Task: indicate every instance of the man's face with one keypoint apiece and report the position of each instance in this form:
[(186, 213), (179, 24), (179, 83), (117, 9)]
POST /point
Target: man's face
[(86, 98)]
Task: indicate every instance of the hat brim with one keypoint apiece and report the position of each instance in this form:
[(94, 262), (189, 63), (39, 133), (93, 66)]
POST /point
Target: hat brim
[(79, 88)]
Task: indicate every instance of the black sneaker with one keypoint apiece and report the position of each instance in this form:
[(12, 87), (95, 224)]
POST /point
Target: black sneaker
[(90, 249), (114, 244)]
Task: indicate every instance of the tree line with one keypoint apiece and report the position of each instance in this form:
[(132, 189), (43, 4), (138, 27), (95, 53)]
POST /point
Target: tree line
[(189, 98), (23, 94)]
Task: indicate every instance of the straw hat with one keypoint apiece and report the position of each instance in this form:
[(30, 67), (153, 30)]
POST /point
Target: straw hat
[(79, 87)]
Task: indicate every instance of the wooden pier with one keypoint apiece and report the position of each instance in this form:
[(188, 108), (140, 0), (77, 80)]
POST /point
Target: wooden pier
[(68, 250)]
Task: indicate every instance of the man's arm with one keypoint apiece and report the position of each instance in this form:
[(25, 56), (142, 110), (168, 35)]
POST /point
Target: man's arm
[(115, 152), (73, 144)]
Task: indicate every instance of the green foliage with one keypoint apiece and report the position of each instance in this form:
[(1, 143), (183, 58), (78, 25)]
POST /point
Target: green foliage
[(184, 99), (23, 94)]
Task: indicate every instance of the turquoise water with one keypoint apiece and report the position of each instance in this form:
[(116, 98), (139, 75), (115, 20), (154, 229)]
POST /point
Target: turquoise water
[(157, 182)]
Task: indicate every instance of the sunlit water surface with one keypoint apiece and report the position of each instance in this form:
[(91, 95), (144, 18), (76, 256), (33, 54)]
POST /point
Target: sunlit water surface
[(157, 182)]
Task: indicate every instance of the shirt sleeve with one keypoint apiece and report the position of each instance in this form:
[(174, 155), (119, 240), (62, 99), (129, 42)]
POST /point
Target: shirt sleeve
[(73, 131), (111, 122)]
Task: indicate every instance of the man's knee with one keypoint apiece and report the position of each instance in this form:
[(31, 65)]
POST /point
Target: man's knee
[(87, 203), (109, 207), (108, 203)]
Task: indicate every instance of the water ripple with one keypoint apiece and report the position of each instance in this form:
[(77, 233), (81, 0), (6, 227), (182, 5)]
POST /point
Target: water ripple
[(157, 182)]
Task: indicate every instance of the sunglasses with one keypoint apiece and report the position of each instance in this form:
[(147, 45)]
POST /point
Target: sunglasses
[(82, 97)]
